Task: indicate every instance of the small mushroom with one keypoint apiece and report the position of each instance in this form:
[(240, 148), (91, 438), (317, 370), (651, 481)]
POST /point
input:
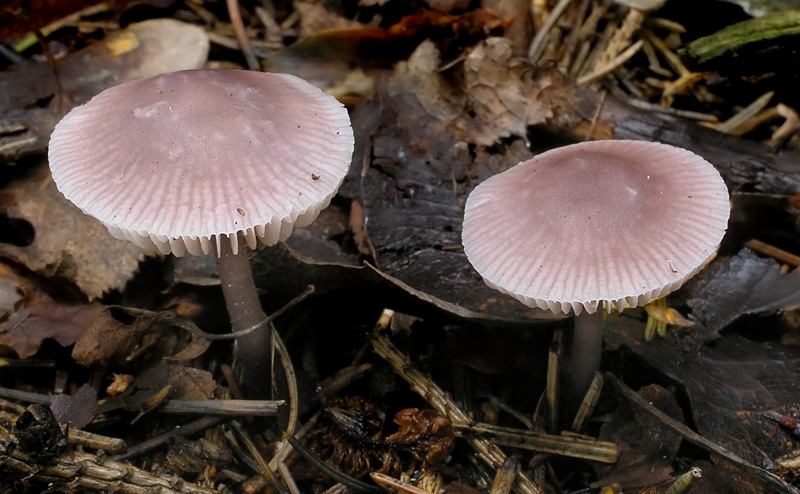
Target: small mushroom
[(592, 224), (194, 160)]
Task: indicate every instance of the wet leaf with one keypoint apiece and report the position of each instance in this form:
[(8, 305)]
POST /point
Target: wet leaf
[(60, 241), (741, 285), (647, 448), (280, 269), (729, 386)]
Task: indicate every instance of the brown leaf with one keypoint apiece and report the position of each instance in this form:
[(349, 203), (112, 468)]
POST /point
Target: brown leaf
[(503, 99), (66, 244), (39, 317), (76, 410), (113, 342)]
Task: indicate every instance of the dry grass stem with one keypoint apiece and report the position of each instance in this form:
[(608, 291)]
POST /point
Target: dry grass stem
[(574, 447), (611, 65)]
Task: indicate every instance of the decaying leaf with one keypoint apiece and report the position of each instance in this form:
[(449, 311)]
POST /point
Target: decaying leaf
[(38, 317), (66, 243), (730, 385), (647, 448), (503, 99), (146, 333), (76, 410), (744, 284)]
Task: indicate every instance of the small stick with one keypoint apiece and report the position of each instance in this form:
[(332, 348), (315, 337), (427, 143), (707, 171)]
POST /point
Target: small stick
[(589, 402), (774, 252), (287, 477), (731, 126), (291, 380), (80, 471), (553, 378), (222, 407), (395, 486), (262, 463)]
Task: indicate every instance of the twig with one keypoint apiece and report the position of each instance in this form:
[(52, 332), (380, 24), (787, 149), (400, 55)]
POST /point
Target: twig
[(287, 478), (192, 328), (551, 389), (504, 480), (222, 407), (589, 402), (291, 380), (158, 441), (732, 125), (256, 454), (86, 472), (395, 486), (774, 252)]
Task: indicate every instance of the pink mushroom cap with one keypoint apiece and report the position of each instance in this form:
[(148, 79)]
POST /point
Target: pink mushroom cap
[(172, 161), (602, 221)]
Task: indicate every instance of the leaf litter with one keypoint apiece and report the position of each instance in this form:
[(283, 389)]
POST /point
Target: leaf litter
[(432, 120)]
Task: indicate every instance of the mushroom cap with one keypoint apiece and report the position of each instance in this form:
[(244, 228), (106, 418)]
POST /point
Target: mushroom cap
[(172, 161), (603, 221)]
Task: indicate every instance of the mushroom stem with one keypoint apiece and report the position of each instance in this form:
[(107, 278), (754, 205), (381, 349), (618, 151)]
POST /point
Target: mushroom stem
[(585, 350), (245, 312)]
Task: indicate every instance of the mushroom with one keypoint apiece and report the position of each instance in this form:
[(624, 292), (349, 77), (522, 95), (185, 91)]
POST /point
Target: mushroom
[(207, 159), (592, 224)]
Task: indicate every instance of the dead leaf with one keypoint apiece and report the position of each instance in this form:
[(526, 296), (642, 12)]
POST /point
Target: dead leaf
[(147, 333), (181, 383), (647, 448), (744, 284), (66, 244), (77, 410), (503, 100), (729, 385), (39, 317)]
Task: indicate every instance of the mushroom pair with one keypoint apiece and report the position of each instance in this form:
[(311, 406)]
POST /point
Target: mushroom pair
[(207, 159), (604, 223)]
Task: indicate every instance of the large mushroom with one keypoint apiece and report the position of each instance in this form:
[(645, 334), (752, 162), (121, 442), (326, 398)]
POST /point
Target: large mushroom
[(603, 223), (207, 159)]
